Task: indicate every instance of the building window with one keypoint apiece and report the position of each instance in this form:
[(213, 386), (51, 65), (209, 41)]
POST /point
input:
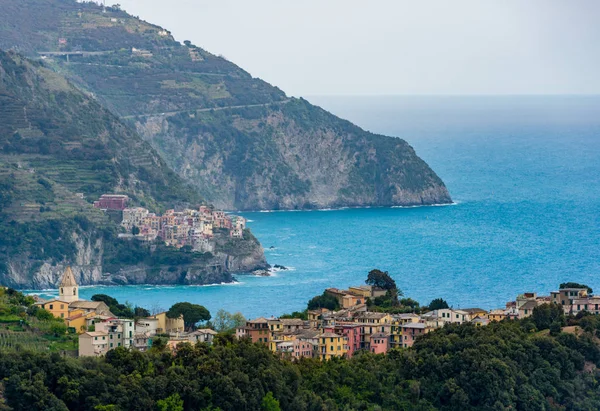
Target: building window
[(51, 306), (111, 345)]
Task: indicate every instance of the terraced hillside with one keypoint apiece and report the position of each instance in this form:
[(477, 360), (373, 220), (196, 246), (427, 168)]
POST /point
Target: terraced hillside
[(239, 140), (59, 151)]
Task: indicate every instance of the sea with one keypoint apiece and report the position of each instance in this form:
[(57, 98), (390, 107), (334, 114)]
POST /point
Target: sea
[(523, 171)]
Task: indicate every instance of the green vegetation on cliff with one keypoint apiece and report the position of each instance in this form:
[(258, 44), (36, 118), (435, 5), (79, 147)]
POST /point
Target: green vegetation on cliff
[(239, 140), (59, 151)]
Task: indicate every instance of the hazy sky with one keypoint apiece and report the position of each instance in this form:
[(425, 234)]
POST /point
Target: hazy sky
[(312, 47)]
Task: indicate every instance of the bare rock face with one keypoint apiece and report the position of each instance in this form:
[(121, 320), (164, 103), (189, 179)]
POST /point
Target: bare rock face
[(291, 156), (247, 255)]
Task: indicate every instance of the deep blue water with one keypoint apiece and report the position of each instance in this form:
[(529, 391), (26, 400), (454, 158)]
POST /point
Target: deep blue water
[(524, 172)]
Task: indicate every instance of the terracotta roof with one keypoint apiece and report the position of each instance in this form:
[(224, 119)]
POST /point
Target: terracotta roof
[(529, 305), (260, 320), (292, 321), (68, 279), (474, 310)]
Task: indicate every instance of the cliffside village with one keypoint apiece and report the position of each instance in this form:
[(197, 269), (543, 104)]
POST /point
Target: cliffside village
[(324, 335), (328, 334), (194, 228)]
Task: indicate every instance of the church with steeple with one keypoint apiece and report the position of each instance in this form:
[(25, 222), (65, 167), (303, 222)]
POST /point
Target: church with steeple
[(69, 307)]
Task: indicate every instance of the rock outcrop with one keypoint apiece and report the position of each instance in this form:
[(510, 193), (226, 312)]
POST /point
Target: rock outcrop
[(87, 266)]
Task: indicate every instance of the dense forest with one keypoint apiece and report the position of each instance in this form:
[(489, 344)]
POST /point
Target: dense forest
[(507, 365)]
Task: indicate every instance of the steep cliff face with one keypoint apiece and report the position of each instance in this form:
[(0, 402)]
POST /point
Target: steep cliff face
[(242, 142), (89, 269), (290, 156)]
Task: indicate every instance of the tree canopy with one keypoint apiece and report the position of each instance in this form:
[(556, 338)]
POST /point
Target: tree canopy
[(381, 279), (192, 313), (227, 322), (438, 304), (458, 367), (324, 301), (121, 310), (576, 285)]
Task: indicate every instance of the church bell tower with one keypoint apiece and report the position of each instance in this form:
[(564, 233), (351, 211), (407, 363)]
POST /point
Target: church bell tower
[(68, 290)]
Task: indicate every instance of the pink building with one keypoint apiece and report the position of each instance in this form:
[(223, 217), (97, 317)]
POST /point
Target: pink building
[(112, 202), (303, 348), (350, 331), (411, 331), (380, 343)]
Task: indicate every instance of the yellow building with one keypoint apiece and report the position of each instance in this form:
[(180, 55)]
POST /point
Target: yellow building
[(77, 320), (496, 315), (274, 340), (169, 325), (331, 345), (59, 309), (350, 300), (68, 291)]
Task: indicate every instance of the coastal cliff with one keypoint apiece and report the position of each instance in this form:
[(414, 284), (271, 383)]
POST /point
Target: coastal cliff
[(59, 151), (291, 156), (91, 266), (241, 142)]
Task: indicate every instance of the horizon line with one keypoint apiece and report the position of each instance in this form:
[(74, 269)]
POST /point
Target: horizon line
[(450, 95)]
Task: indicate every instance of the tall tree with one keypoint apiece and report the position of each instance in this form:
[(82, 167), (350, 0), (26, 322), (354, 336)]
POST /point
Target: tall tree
[(192, 313), (381, 279), (438, 304)]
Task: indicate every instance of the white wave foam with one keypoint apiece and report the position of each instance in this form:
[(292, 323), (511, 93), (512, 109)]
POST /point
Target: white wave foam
[(428, 205)]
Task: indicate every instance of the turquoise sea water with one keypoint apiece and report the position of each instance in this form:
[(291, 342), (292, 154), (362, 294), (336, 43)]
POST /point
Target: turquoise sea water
[(524, 172)]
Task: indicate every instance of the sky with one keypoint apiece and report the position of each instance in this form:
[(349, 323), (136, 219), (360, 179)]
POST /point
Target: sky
[(396, 47)]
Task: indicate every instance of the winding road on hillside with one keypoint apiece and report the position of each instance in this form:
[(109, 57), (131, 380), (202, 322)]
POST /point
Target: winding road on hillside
[(172, 113)]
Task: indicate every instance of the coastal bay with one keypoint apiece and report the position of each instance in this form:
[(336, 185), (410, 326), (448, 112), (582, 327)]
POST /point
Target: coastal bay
[(522, 170)]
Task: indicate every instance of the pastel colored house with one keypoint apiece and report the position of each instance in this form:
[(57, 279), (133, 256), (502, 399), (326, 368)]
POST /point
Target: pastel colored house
[(351, 331), (412, 331), (93, 344), (168, 325), (304, 348), (257, 330), (331, 345), (496, 315), (380, 343)]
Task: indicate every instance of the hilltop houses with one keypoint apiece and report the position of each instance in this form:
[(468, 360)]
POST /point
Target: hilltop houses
[(326, 334), (194, 228), (100, 330)]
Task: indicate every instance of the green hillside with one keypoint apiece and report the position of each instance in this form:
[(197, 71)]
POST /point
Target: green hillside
[(51, 129), (239, 140), (59, 151)]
